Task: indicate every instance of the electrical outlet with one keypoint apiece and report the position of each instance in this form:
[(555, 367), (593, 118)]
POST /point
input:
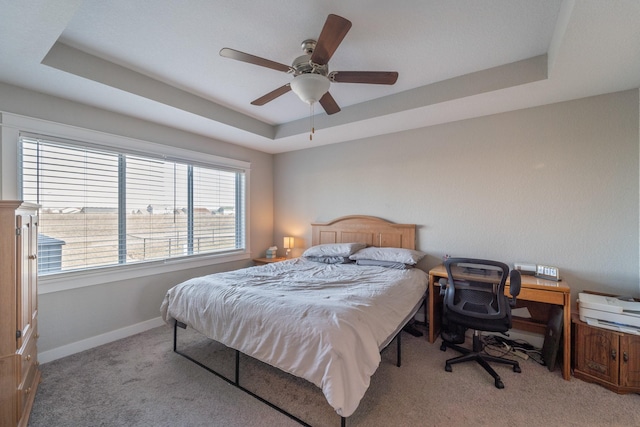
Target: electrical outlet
[(547, 272)]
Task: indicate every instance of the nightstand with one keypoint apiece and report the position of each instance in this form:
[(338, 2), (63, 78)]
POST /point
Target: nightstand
[(263, 261)]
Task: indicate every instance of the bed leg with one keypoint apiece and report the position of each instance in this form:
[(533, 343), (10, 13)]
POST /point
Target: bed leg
[(175, 335), (343, 421), (399, 360), (237, 367)]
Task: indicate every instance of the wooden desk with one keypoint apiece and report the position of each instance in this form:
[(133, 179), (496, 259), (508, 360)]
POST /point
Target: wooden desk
[(536, 294)]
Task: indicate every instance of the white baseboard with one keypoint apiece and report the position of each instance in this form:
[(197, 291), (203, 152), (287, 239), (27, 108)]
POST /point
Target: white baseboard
[(86, 344)]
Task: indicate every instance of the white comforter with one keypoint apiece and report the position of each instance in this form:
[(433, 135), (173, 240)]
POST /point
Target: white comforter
[(324, 323)]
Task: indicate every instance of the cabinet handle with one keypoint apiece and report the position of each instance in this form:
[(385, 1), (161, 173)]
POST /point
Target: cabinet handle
[(613, 354), (625, 356), (33, 256), (28, 358)]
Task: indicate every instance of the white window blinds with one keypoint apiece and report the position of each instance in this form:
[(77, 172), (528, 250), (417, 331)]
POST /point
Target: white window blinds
[(104, 208)]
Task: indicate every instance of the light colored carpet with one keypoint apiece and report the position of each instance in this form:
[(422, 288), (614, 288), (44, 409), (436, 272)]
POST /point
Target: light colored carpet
[(140, 381)]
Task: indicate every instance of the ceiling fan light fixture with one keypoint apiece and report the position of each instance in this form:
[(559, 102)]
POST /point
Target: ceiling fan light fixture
[(310, 87)]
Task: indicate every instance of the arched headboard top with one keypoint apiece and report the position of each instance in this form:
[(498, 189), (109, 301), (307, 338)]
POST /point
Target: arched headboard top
[(364, 229)]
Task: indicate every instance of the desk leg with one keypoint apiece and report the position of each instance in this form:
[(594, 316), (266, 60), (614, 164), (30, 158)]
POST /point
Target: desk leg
[(435, 308), (431, 304), (566, 356)]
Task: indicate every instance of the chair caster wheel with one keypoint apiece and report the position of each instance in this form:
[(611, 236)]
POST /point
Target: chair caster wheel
[(499, 383), (517, 369), (447, 367), (443, 347)]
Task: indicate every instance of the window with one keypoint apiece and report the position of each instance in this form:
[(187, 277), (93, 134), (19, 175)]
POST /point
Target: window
[(103, 207)]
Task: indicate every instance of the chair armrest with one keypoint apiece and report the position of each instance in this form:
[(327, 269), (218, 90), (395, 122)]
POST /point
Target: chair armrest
[(515, 283)]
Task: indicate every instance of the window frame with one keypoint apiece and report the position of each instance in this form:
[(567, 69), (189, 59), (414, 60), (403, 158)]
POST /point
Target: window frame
[(14, 125)]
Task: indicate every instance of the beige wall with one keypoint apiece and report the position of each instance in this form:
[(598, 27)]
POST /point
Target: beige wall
[(71, 316), (557, 184), (553, 185)]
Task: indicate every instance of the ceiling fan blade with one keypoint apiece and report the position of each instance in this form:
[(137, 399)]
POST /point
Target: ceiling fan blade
[(370, 77), (334, 30), (329, 104), (252, 59), (272, 95)]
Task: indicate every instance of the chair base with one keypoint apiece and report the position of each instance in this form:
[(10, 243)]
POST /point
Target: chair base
[(479, 356)]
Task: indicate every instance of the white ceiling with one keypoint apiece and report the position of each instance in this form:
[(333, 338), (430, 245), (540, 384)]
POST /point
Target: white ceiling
[(158, 60)]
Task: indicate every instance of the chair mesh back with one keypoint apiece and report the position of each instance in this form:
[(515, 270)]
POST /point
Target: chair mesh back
[(476, 288), (475, 301)]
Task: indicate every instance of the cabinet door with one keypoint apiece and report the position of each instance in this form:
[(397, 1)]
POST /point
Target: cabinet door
[(33, 271), (23, 291), (630, 361), (597, 353)]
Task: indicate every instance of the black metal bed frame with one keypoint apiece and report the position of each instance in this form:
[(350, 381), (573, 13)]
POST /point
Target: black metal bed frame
[(236, 381)]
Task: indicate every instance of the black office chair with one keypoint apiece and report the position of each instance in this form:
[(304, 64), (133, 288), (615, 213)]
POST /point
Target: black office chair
[(474, 298)]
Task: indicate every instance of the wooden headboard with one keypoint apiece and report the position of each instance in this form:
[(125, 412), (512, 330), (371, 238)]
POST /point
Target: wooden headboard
[(365, 229)]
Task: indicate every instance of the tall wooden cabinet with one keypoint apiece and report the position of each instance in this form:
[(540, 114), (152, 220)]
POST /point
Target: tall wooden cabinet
[(606, 357), (19, 373)]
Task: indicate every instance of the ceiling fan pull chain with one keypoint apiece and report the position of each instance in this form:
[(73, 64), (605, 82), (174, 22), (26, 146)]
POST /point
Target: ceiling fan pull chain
[(311, 120)]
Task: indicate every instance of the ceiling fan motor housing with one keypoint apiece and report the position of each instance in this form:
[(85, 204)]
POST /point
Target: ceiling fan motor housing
[(303, 65)]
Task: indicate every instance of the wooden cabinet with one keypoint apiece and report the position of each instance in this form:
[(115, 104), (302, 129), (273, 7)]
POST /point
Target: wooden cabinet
[(606, 357), (263, 261), (19, 373)]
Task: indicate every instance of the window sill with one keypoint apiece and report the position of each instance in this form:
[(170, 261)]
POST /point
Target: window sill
[(81, 279)]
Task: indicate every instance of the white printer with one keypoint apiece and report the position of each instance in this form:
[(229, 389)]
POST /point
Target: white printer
[(610, 313)]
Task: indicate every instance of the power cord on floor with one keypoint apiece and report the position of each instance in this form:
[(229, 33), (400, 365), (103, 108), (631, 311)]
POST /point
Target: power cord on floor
[(496, 345)]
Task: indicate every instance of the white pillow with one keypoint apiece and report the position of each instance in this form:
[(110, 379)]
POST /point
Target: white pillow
[(329, 259), (333, 249), (405, 256), (386, 264)]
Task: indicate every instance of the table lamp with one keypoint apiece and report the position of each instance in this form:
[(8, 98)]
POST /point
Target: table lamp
[(288, 245)]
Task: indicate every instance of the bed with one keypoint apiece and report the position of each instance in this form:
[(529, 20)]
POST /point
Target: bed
[(324, 322)]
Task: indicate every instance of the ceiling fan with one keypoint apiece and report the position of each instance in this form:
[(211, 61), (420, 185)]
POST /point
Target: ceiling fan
[(311, 71)]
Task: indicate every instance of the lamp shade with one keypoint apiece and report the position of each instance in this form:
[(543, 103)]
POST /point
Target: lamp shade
[(288, 242), (310, 87)]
